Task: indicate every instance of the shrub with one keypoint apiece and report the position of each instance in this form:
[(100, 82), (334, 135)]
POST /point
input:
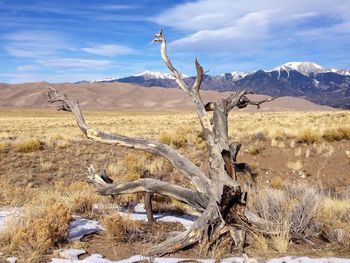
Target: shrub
[(179, 140), (29, 146), (308, 136), (165, 138), (124, 229), (254, 150), (337, 134), (38, 231), (334, 216), (276, 182), (133, 162), (281, 240), (2, 147)]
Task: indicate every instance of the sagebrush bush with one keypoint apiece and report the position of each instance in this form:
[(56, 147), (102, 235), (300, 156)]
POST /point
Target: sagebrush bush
[(293, 209)]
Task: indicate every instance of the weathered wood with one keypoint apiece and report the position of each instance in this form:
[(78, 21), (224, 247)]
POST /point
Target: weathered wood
[(224, 219), (190, 170), (148, 200), (148, 207)]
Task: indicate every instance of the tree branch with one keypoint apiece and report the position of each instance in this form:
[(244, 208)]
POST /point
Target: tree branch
[(149, 185), (160, 38), (194, 92), (244, 102), (198, 81), (190, 170)]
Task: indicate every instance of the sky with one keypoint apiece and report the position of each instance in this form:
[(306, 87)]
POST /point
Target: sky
[(73, 40)]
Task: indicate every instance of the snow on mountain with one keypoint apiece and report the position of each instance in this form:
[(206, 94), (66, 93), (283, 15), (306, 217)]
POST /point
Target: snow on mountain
[(103, 80), (341, 71), (236, 75), (158, 75), (305, 68)]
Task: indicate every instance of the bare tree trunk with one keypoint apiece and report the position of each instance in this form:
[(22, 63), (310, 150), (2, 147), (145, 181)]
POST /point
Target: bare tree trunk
[(148, 201), (224, 220)]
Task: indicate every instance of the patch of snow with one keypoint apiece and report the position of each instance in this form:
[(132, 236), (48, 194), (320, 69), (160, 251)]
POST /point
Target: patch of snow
[(5, 213), (308, 260), (97, 258), (12, 259), (81, 227), (140, 214)]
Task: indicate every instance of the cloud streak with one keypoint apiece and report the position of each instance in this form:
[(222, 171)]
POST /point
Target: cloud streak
[(74, 63), (226, 26), (109, 50), (33, 43)]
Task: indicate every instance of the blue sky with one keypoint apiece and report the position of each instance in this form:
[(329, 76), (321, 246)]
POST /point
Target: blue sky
[(67, 40)]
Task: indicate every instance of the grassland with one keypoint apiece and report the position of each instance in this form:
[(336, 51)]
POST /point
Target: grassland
[(43, 160)]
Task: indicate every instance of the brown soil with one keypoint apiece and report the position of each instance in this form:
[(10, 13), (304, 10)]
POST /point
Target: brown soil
[(69, 163)]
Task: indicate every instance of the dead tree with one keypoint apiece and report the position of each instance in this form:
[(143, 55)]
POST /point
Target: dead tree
[(225, 219)]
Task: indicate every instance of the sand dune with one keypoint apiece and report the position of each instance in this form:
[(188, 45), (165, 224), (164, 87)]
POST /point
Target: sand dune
[(120, 96)]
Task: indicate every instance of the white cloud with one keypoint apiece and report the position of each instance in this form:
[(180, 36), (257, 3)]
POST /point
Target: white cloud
[(28, 68), (109, 50), (74, 63), (245, 25), (115, 7), (33, 44)]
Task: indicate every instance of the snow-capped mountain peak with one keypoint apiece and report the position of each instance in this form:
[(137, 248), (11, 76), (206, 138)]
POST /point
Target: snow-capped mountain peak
[(155, 74), (111, 79), (236, 75), (305, 68), (158, 75)]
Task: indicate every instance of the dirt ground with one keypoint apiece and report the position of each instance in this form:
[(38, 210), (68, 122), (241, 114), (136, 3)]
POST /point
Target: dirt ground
[(64, 155)]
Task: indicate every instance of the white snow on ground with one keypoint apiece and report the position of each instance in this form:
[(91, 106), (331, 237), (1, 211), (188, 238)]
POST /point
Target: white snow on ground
[(140, 214), (5, 213), (81, 227), (96, 258)]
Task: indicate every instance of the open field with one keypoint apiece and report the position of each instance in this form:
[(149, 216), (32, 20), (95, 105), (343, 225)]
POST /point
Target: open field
[(43, 160)]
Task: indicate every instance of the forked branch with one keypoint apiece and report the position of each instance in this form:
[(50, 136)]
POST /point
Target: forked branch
[(193, 92), (190, 170), (193, 198)]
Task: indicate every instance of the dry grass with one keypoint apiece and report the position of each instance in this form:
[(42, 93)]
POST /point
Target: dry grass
[(3, 147), (334, 216), (281, 241), (29, 146), (59, 127), (58, 132), (124, 229), (37, 231)]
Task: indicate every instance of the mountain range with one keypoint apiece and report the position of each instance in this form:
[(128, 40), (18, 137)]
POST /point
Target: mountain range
[(325, 86)]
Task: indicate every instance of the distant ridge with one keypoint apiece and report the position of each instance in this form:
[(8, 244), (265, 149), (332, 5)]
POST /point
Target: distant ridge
[(326, 86), (121, 96)]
